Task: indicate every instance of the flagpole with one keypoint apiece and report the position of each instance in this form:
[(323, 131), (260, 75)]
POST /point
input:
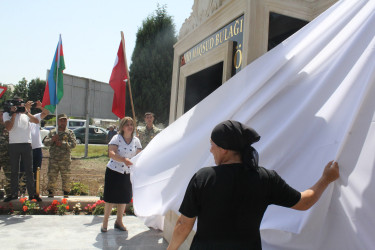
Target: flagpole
[(57, 81), (128, 80)]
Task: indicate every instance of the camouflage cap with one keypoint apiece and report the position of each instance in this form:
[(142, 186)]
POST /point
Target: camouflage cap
[(62, 116)]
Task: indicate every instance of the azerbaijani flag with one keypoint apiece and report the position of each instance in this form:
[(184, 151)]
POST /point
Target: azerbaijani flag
[(54, 90)]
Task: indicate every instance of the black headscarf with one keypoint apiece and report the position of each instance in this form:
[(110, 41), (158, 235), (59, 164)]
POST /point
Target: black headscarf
[(233, 135)]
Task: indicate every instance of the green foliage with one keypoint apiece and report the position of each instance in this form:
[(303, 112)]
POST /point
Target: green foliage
[(62, 208), (101, 192), (151, 68), (131, 210), (32, 91), (95, 209), (36, 89), (21, 89), (114, 211), (99, 208), (29, 207), (78, 188), (93, 151)]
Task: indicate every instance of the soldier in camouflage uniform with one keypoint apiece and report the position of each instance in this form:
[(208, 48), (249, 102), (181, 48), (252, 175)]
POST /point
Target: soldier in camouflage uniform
[(147, 133), (4, 155), (60, 145)]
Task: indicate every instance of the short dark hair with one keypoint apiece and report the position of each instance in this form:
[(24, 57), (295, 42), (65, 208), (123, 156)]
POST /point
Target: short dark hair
[(149, 113)]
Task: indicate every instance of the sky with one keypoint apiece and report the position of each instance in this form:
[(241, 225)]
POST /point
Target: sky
[(90, 30)]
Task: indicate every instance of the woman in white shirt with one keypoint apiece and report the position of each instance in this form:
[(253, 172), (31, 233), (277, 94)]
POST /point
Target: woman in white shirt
[(117, 186)]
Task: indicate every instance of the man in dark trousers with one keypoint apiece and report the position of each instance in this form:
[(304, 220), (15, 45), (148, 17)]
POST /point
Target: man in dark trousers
[(238, 180), (17, 122)]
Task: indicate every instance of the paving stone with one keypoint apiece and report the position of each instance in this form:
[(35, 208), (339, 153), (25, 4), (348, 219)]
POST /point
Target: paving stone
[(76, 232)]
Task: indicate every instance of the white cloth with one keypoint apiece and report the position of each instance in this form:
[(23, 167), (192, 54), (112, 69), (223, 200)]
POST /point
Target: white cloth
[(21, 131), (312, 100), (124, 150), (36, 141)]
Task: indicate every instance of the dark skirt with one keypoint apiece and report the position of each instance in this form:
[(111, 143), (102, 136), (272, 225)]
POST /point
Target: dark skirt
[(117, 187)]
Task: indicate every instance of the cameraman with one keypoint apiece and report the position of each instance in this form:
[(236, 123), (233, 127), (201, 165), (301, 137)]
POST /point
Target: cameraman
[(17, 123)]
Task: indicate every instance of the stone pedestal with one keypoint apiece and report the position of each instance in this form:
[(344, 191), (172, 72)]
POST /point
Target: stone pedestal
[(169, 223)]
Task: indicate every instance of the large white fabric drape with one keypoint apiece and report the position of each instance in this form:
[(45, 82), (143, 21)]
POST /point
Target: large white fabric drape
[(312, 100)]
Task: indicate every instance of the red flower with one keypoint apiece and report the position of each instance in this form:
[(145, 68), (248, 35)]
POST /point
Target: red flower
[(131, 200), (22, 200), (67, 207), (34, 200), (99, 202), (55, 202), (24, 208), (63, 201)]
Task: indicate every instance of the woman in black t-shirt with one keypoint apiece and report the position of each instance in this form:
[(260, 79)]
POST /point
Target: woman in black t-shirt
[(237, 180)]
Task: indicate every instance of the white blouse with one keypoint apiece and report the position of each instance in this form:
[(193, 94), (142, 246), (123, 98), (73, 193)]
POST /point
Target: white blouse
[(124, 150)]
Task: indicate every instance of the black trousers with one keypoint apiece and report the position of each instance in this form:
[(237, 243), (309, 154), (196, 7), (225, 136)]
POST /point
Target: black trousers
[(18, 151)]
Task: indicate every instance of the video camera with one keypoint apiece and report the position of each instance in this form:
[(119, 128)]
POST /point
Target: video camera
[(20, 105)]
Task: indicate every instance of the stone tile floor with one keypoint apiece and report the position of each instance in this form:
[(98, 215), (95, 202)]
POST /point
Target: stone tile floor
[(75, 232)]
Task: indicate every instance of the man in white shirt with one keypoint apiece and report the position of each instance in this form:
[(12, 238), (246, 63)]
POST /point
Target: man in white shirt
[(18, 125), (36, 144)]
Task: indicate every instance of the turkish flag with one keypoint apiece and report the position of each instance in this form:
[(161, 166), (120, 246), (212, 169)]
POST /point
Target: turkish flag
[(118, 84)]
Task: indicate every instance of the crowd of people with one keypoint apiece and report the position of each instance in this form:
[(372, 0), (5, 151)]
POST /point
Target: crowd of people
[(21, 150), (236, 176)]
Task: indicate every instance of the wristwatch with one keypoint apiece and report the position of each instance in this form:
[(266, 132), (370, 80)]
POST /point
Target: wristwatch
[(27, 112)]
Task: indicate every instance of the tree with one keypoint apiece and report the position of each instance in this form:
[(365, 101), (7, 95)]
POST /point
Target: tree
[(36, 89), (152, 63), (21, 89), (32, 91)]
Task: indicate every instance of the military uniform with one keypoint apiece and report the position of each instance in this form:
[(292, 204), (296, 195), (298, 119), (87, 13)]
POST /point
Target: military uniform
[(145, 135), (60, 159), (4, 157)]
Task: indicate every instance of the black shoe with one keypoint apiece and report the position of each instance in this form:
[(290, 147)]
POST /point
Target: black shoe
[(117, 226), (36, 197), (9, 198), (66, 194), (50, 194), (103, 229)]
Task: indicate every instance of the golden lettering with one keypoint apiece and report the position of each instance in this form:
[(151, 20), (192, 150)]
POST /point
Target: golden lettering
[(236, 29), (194, 52), (231, 31), (226, 33), (187, 56), (239, 59)]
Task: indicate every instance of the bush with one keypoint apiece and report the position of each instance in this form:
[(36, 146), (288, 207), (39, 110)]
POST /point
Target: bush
[(78, 188), (29, 207), (95, 209)]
